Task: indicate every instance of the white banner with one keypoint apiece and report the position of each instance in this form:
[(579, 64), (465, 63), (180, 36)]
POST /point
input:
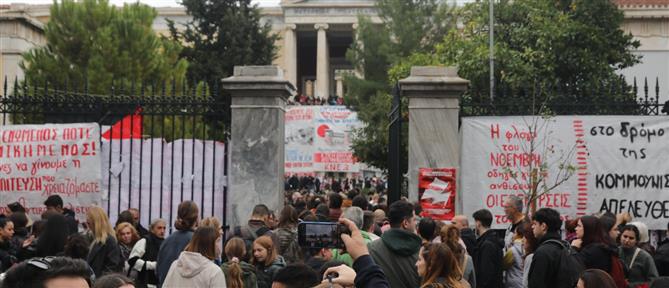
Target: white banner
[(37, 161), (619, 164), (160, 182), (318, 139)]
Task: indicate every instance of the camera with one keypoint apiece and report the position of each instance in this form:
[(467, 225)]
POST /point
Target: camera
[(321, 234)]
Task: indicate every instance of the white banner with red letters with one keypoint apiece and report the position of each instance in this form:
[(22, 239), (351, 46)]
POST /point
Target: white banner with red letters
[(618, 164)]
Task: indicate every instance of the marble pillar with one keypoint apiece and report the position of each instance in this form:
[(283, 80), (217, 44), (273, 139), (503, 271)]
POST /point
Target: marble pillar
[(434, 104), (290, 55), (359, 72), (256, 146), (322, 62), (339, 91)]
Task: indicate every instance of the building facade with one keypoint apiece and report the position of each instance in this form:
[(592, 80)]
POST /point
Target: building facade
[(315, 35)]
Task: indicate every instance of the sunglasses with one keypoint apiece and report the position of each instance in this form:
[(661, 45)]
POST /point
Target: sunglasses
[(41, 263)]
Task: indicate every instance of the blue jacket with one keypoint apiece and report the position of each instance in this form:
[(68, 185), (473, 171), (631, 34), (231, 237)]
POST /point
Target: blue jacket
[(170, 250)]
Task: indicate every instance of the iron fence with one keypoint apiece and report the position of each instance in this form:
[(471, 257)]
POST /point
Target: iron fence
[(182, 130), (618, 98)]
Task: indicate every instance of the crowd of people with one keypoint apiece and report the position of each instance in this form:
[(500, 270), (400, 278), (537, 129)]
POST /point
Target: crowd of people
[(304, 100), (386, 246)]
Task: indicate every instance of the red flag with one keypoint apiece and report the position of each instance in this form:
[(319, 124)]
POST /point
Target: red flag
[(129, 127)]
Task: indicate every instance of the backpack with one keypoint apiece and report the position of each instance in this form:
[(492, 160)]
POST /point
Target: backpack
[(618, 272), (249, 236), (570, 268)]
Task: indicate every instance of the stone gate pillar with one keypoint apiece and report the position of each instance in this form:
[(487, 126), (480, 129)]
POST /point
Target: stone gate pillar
[(256, 147), (434, 106)]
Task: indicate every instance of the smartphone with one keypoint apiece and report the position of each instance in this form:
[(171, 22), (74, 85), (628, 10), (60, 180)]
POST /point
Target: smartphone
[(321, 234)]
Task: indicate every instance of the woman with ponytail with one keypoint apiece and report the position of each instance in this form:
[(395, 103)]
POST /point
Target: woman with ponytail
[(439, 268), (187, 216), (450, 235), (238, 274)]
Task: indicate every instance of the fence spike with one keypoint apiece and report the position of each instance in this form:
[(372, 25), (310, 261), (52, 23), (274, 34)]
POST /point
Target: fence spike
[(4, 89), (25, 88), (657, 90), (635, 89), (645, 88), (164, 88)]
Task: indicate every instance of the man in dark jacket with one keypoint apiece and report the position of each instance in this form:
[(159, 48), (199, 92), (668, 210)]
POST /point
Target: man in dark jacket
[(397, 250), (466, 234), (256, 227), (545, 268), (489, 251), (661, 256), (55, 203)]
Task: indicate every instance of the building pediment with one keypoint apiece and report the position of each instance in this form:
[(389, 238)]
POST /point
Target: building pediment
[(327, 3)]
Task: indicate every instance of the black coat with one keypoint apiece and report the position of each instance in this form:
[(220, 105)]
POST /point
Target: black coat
[(467, 235), (105, 258), (597, 256), (662, 258), (545, 267), (488, 260)]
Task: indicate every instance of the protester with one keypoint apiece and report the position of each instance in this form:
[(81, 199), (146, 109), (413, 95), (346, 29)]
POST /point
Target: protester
[(114, 281), (7, 254), (195, 266), (546, 269), (466, 234), (76, 247), (397, 250), (266, 260), (365, 273), (426, 230), (286, 234), (238, 274), (661, 256), (570, 230), (142, 259), (609, 225), (335, 202), (640, 265), (644, 238), (594, 245), (513, 208), (21, 231), (360, 201), (438, 267), (213, 222), (595, 278), (530, 244), (317, 257), (52, 240), (49, 272), (296, 276), (356, 215), (450, 235), (187, 215), (323, 213), (368, 225), (488, 256), (55, 203), (135, 222), (513, 259), (127, 237), (105, 255), (124, 217), (257, 226)]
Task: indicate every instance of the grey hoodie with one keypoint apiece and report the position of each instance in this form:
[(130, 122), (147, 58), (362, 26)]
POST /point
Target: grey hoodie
[(194, 270)]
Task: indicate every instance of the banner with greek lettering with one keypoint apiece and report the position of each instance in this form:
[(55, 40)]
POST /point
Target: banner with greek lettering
[(37, 161), (318, 139), (616, 163)]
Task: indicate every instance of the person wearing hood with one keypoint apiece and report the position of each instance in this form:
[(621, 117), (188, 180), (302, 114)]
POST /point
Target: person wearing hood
[(195, 266), (266, 260), (489, 252), (397, 250)]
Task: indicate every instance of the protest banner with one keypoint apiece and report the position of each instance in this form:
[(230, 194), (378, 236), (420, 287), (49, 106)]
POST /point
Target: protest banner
[(318, 139), (620, 164), (37, 161), (436, 191), (299, 142)]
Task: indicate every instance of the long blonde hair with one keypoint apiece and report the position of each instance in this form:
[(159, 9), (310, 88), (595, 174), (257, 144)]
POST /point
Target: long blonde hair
[(235, 250), (99, 225)]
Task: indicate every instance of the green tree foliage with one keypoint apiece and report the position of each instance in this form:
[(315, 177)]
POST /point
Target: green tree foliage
[(408, 27), (575, 46), (222, 34), (91, 41)]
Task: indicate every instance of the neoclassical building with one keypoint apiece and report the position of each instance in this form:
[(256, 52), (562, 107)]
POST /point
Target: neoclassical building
[(316, 33)]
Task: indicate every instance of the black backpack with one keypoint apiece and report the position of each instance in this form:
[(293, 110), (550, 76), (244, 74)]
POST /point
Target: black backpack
[(570, 268)]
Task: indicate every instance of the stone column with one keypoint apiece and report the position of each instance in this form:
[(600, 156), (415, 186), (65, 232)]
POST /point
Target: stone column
[(339, 91), (322, 63), (359, 72), (256, 146), (290, 58), (434, 104)]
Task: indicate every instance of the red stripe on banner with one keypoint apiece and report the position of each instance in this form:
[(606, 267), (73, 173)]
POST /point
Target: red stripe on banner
[(582, 163), (581, 146), (583, 173), (579, 134), (582, 184), (578, 129), (581, 153), (582, 189), (581, 158), (581, 208), (583, 168), (582, 198), (579, 141), (578, 121)]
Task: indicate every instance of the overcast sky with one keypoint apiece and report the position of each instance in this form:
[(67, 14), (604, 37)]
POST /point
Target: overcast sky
[(160, 3)]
